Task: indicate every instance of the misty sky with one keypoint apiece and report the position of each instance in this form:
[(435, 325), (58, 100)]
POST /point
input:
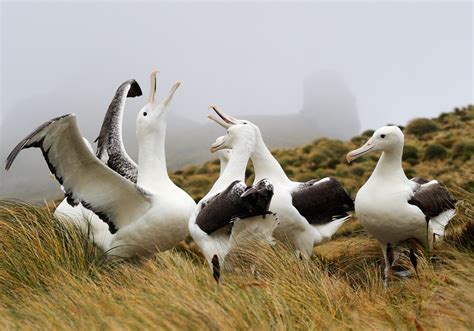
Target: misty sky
[(400, 61)]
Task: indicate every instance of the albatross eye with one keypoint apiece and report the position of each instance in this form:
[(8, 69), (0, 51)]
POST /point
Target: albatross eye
[(382, 136), (145, 113)]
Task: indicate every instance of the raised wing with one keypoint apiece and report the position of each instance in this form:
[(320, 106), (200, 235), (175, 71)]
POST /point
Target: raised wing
[(110, 148), (322, 201), (432, 198), (84, 177)]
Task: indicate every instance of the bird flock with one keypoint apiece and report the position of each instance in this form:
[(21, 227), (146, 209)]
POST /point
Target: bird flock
[(134, 209)]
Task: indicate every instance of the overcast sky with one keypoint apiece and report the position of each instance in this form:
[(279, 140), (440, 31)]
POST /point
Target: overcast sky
[(399, 60)]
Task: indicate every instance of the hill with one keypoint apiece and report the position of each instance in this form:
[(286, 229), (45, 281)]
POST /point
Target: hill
[(439, 148)]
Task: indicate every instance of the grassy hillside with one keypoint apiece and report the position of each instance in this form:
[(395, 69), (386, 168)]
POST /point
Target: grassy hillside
[(52, 278)]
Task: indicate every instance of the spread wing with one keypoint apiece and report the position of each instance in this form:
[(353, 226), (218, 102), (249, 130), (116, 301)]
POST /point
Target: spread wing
[(322, 201), (110, 148), (84, 177)]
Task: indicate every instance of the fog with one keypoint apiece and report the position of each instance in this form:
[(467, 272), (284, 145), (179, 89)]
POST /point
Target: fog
[(317, 69)]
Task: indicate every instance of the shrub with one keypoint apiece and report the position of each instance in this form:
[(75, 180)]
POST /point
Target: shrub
[(368, 133), (463, 150), (435, 152), (357, 171), (199, 181), (202, 170), (421, 126), (410, 154), (189, 170), (307, 149)]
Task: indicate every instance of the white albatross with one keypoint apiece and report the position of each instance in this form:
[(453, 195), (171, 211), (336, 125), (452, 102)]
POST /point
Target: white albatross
[(232, 213), (111, 151), (151, 215), (393, 208), (309, 213)]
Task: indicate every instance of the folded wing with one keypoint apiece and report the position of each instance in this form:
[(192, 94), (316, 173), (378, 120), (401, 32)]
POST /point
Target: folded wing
[(322, 201), (435, 201), (84, 177), (237, 201)]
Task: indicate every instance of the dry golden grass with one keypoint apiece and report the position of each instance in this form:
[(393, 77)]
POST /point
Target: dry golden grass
[(51, 278)]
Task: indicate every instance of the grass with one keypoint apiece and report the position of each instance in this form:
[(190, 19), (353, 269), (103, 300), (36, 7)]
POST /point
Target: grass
[(52, 278)]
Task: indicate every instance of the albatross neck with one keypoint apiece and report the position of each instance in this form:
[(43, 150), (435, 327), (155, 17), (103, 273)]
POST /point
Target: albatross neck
[(389, 166), (152, 170), (235, 170), (265, 164)]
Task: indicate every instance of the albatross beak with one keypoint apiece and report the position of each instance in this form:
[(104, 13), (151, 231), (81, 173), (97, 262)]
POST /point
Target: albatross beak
[(151, 98), (227, 121), (366, 148), (171, 94), (218, 145)]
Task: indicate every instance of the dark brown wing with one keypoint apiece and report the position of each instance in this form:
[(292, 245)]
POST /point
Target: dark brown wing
[(432, 198), (236, 201), (322, 201)]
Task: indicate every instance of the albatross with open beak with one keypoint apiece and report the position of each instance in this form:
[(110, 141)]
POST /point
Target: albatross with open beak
[(232, 213), (309, 213), (145, 217), (393, 208)]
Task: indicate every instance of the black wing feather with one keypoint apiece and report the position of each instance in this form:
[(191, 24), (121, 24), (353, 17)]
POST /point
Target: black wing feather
[(322, 201), (432, 199), (109, 142), (236, 201)]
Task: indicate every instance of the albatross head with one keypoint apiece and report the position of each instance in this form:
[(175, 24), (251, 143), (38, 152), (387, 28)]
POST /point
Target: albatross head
[(385, 139), (223, 154), (241, 135), (152, 116)]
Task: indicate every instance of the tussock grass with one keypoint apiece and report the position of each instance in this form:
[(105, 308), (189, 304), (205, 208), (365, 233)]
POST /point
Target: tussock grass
[(52, 278)]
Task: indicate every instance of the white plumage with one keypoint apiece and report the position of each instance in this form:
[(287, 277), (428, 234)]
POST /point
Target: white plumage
[(303, 233), (393, 208), (228, 190), (148, 216)]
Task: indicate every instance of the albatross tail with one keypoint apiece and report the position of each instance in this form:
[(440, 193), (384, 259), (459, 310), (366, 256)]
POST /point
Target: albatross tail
[(326, 231)]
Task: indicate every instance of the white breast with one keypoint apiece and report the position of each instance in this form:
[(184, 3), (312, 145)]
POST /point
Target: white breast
[(385, 213)]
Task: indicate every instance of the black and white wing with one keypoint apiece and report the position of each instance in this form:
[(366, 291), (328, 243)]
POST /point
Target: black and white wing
[(435, 201), (110, 147), (84, 177), (322, 201), (237, 201)]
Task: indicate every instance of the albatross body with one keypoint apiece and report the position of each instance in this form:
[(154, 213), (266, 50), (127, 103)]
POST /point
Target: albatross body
[(393, 208), (145, 217), (309, 213), (111, 151), (231, 212)]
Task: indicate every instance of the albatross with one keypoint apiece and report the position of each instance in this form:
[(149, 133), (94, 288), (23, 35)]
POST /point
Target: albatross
[(111, 151), (309, 213), (148, 216), (393, 208), (232, 213)]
